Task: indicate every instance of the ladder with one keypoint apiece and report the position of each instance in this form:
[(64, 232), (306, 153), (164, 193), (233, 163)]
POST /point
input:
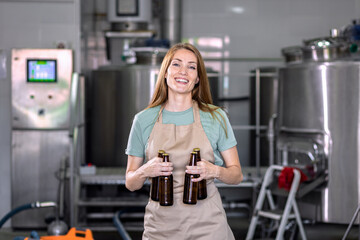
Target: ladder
[(290, 211)]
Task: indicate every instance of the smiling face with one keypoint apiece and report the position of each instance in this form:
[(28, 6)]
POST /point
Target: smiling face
[(182, 74)]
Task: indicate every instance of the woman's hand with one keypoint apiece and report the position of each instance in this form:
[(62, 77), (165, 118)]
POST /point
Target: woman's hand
[(156, 167), (230, 174), (137, 172), (206, 169)]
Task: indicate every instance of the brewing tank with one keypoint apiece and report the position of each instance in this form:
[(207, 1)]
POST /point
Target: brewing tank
[(318, 125), (117, 93)]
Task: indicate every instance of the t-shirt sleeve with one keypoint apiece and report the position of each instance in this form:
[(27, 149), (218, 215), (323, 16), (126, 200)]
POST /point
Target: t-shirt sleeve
[(226, 139), (135, 145)]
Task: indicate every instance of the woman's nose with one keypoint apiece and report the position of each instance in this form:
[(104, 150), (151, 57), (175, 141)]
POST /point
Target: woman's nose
[(183, 70)]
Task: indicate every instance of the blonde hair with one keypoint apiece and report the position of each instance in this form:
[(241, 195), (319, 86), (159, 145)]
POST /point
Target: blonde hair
[(201, 92)]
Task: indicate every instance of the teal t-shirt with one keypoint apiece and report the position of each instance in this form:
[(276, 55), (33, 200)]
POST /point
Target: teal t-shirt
[(144, 122)]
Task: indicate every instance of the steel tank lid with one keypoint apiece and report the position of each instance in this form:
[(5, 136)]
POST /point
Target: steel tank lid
[(149, 55), (292, 54), (325, 49)]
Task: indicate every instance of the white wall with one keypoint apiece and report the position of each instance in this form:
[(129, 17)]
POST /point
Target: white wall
[(30, 24)]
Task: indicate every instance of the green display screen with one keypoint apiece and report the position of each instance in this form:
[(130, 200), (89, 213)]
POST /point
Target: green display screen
[(41, 70)]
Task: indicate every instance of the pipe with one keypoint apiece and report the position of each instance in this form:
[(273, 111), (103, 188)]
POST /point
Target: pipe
[(25, 207), (60, 212), (120, 227), (257, 121), (171, 28), (73, 135), (271, 138)]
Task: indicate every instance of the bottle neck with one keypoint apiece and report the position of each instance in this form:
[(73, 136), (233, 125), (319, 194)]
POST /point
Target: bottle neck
[(192, 161), (198, 157)]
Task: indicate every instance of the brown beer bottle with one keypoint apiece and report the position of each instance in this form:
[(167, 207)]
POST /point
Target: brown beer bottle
[(202, 192), (190, 187), (166, 192), (155, 182)]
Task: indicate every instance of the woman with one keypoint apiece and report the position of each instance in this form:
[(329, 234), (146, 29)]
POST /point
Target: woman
[(181, 117)]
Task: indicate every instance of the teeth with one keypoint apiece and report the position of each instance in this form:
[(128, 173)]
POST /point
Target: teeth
[(182, 80)]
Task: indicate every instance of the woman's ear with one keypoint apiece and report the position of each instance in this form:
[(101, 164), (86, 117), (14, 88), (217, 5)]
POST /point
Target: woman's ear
[(197, 80)]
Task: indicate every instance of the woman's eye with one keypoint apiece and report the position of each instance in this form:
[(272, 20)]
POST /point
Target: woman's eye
[(192, 67), (176, 64)]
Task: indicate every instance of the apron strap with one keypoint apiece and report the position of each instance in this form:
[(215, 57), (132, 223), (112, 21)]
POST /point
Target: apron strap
[(196, 113)]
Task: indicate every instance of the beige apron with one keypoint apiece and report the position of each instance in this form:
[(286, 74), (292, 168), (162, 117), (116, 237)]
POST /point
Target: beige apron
[(206, 220)]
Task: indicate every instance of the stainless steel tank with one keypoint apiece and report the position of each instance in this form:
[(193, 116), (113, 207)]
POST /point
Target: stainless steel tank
[(318, 124), (117, 94)]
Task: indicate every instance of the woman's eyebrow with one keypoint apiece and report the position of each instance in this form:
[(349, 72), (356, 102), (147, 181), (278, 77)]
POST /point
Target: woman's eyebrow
[(178, 59)]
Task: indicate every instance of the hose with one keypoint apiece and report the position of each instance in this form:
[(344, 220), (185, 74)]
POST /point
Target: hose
[(15, 211), (120, 227), (25, 207)]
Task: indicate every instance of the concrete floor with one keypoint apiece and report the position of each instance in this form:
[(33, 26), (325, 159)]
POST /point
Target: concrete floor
[(239, 225)]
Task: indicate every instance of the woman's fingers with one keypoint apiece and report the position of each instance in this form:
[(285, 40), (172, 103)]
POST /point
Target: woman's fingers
[(199, 170), (166, 168), (204, 168), (194, 169)]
